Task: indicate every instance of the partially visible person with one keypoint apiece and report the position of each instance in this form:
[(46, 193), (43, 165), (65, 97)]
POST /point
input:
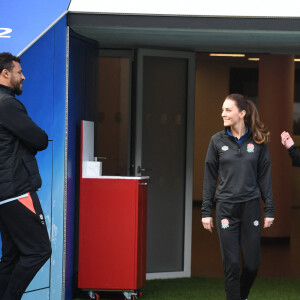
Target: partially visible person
[(237, 173), (293, 150), (25, 241)]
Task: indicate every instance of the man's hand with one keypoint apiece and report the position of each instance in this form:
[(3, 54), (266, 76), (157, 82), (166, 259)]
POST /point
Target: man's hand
[(208, 223), (268, 222), (286, 140)]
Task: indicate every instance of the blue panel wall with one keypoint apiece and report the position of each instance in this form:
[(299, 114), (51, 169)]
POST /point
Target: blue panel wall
[(29, 20), (37, 65), (44, 94), (82, 101), (40, 294), (75, 110), (58, 212)]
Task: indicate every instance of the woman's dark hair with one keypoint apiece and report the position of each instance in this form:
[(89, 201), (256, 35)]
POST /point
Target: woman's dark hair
[(259, 131), (6, 61)]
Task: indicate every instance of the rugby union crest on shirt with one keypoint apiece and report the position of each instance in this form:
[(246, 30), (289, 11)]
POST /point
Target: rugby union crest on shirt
[(250, 148), (225, 148)]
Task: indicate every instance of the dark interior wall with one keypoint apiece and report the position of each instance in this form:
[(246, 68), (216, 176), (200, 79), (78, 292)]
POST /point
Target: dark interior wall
[(81, 106)]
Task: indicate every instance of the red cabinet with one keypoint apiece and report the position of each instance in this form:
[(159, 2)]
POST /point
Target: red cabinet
[(112, 233), (112, 226)]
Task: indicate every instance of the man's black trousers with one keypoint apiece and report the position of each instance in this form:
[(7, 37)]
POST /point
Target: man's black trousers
[(238, 226), (25, 245)]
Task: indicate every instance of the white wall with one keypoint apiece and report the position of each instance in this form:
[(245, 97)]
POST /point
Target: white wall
[(254, 8)]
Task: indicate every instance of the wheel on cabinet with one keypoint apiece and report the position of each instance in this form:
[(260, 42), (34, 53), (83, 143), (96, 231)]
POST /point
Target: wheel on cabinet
[(132, 297), (95, 296), (139, 294)]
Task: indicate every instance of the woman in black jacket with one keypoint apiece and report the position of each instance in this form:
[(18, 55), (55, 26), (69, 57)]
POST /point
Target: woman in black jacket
[(237, 174)]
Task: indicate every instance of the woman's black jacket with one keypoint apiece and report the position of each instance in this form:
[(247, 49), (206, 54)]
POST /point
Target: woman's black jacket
[(236, 173)]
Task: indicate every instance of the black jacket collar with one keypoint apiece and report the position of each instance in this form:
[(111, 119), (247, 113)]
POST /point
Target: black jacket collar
[(231, 138), (7, 90), (248, 134)]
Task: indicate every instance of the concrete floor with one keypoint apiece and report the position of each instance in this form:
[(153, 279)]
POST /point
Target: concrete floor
[(277, 261)]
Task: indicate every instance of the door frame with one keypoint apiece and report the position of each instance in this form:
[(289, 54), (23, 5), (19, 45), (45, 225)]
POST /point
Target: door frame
[(190, 56)]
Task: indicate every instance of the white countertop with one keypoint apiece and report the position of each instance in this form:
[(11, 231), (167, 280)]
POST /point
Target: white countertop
[(120, 177)]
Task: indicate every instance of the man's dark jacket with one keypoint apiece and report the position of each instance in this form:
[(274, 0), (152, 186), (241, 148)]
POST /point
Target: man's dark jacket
[(20, 139)]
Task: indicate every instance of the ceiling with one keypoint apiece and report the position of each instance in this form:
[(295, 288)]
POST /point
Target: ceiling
[(276, 42), (206, 35)]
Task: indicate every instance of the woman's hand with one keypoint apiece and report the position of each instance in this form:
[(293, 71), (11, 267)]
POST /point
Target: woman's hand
[(208, 223), (286, 140), (268, 222)]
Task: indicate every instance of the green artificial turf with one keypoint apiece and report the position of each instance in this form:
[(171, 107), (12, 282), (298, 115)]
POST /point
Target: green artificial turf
[(212, 289)]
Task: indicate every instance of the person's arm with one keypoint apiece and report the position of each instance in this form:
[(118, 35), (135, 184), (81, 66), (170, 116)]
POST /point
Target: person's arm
[(293, 150), (264, 181), (295, 155), (209, 185), (14, 118)]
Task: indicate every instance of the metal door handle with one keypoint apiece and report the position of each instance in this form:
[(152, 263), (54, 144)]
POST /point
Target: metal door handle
[(140, 170), (143, 183)]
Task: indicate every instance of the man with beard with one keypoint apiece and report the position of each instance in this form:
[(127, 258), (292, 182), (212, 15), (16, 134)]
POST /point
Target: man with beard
[(25, 241)]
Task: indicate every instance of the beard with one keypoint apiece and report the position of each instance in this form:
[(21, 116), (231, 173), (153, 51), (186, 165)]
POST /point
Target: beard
[(16, 86), (17, 91)]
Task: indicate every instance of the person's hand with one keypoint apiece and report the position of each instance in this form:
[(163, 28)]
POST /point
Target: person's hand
[(286, 140), (208, 223), (268, 222)]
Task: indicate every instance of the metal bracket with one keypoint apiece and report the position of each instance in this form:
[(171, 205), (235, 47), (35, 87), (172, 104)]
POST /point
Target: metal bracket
[(129, 294)]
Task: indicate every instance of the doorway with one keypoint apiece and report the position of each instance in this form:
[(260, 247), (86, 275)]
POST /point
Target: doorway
[(113, 120), (153, 122)]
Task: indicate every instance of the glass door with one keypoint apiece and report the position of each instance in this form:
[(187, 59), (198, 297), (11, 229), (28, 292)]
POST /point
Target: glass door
[(164, 151)]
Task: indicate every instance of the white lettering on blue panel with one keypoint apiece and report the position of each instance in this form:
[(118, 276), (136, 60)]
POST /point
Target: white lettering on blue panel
[(4, 32)]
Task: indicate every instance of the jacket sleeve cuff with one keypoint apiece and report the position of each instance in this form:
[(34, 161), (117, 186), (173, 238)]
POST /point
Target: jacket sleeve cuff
[(206, 211), (269, 212), (292, 148), (206, 215)]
